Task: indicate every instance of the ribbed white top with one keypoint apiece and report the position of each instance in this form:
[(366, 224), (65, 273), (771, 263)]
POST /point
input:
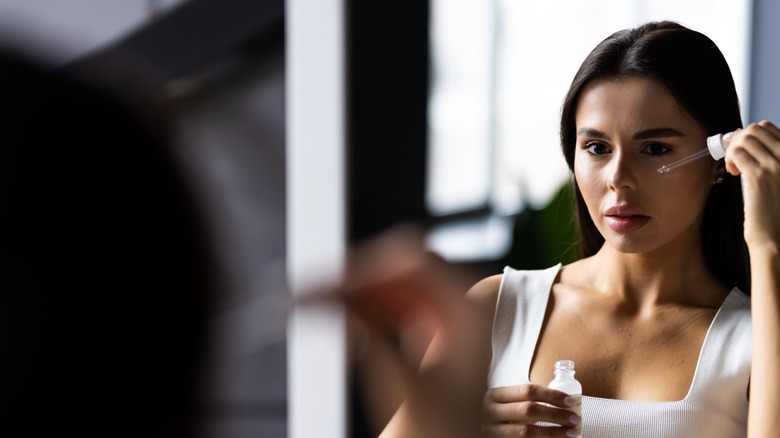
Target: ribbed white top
[(716, 404)]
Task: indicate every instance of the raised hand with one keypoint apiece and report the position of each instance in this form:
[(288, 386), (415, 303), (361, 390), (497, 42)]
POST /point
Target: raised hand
[(754, 153)]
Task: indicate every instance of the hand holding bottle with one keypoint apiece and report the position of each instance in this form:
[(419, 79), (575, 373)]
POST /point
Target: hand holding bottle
[(516, 410)]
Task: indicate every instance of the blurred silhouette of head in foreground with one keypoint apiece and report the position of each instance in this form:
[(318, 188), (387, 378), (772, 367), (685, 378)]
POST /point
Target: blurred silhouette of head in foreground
[(105, 270)]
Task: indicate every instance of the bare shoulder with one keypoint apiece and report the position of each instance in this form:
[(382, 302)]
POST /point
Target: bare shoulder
[(574, 274), (486, 290)]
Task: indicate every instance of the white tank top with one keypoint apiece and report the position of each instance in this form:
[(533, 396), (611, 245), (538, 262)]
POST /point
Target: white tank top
[(716, 404)]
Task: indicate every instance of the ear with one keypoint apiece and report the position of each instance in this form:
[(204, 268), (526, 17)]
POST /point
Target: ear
[(718, 173)]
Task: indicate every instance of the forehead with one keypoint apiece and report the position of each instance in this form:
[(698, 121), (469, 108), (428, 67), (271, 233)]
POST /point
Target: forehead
[(632, 103)]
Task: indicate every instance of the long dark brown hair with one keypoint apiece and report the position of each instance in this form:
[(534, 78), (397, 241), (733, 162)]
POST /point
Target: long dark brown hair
[(695, 72)]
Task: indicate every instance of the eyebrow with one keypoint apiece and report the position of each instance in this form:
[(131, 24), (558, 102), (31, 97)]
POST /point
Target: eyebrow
[(641, 135)]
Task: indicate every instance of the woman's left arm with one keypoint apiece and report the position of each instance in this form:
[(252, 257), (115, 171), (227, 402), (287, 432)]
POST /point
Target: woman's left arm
[(754, 153)]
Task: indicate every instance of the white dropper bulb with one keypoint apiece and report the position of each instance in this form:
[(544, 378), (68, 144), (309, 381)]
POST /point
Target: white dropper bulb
[(717, 146)]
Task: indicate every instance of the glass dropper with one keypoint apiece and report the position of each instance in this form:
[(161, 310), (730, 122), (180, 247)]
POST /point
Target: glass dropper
[(683, 161), (716, 148)]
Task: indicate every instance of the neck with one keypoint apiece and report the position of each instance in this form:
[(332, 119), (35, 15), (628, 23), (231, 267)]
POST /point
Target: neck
[(672, 275)]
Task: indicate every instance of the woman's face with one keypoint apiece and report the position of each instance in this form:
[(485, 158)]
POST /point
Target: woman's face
[(626, 129)]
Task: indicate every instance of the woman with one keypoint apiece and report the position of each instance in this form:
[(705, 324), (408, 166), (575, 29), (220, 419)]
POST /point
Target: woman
[(663, 253), (656, 314)]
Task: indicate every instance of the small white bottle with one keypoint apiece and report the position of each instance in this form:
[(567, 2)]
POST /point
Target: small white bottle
[(564, 381)]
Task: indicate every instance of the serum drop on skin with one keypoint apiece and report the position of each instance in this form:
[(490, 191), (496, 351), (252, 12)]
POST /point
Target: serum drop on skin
[(564, 381)]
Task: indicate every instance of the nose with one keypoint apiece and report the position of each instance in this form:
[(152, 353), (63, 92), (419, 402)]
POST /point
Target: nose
[(621, 172)]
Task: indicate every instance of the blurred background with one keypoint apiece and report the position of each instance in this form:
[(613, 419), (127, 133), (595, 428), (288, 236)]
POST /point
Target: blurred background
[(310, 124)]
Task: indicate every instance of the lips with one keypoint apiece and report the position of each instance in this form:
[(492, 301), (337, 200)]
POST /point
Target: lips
[(625, 218)]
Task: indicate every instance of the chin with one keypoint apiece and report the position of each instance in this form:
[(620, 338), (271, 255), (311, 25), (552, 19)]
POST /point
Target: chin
[(631, 244)]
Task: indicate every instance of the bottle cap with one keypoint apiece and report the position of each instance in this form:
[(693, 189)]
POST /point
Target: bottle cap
[(717, 146), (564, 365)]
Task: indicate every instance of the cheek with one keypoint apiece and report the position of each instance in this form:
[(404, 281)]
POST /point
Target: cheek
[(691, 182), (587, 180), (686, 194)]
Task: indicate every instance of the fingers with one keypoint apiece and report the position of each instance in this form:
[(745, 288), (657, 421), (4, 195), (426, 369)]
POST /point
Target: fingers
[(527, 405), (531, 392), (754, 154), (745, 155), (754, 148), (529, 413), (770, 127), (391, 280)]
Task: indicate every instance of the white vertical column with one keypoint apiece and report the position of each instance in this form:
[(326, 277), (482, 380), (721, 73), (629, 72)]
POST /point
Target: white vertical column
[(315, 213)]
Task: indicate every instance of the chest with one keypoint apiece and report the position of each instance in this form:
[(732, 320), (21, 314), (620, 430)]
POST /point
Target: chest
[(647, 359)]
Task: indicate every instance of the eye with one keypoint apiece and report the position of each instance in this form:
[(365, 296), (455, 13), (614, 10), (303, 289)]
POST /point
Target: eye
[(656, 149), (595, 148)]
